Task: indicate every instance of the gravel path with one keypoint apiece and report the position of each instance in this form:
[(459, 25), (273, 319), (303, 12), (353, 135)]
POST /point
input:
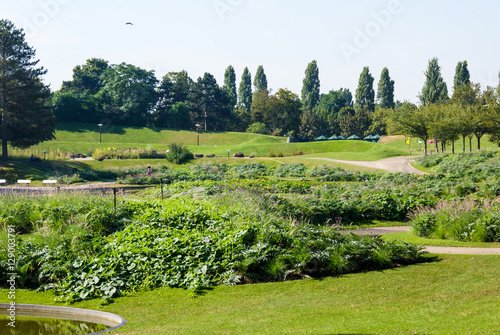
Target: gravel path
[(393, 164), (375, 231)]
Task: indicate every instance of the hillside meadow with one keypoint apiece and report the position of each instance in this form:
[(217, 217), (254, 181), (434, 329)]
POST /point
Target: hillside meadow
[(84, 138)]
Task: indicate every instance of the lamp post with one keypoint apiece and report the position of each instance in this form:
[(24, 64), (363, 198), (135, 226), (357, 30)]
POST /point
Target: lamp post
[(100, 132), (198, 134)]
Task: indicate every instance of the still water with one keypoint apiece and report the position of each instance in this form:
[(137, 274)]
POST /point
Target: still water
[(48, 326)]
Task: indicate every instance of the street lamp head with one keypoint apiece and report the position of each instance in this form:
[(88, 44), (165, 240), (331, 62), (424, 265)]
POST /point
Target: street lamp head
[(99, 125)]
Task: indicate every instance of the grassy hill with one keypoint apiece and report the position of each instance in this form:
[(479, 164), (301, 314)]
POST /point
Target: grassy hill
[(84, 138)]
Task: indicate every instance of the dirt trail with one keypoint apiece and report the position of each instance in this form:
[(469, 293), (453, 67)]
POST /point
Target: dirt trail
[(432, 249), (393, 164)]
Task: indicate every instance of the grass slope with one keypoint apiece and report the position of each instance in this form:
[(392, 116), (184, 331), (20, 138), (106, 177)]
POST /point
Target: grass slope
[(414, 239), (84, 138), (457, 295)]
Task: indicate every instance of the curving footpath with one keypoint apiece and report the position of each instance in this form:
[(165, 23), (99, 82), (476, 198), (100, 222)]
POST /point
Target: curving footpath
[(375, 231), (393, 164)]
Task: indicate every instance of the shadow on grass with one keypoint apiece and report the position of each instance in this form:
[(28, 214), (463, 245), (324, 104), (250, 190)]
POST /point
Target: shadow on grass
[(200, 292), (425, 258)]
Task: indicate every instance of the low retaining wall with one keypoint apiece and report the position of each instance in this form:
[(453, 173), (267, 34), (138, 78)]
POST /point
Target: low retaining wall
[(68, 313)]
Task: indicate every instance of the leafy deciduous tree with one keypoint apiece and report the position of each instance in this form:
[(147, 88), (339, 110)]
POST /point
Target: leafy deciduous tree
[(174, 89), (132, 93), (414, 121), (356, 123), (329, 107), (87, 77), (309, 122)]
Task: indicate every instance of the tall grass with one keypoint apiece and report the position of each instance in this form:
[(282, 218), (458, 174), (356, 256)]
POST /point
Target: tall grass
[(462, 220)]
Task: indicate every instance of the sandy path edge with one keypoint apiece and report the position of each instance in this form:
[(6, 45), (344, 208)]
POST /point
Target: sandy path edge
[(392, 164), (432, 249)]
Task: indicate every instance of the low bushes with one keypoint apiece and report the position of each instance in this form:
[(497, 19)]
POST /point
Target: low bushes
[(462, 220), (178, 153)]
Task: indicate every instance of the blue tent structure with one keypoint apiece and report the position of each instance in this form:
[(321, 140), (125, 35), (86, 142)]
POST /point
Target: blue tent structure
[(368, 138), (354, 137), (321, 138), (340, 137), (333, 138)]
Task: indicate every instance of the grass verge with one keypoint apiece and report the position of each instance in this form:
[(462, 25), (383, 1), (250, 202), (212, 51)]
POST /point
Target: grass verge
[(411, 238), (458, 294)]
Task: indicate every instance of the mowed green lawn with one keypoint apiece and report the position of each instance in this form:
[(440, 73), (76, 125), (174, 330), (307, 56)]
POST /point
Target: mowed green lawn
[(84, 138), (458, 294)]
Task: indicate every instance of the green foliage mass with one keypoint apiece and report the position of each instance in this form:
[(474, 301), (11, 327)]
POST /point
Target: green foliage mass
[(365, 94), (26, 117), (178, 153), (231, 225), (434, 90), (187, 243), (472, 212)]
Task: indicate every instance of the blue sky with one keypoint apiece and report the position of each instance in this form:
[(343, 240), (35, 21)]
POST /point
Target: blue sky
[(284, 36)]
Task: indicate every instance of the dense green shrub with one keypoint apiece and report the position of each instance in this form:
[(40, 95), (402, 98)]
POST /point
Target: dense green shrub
[(178, 153), (290, 170), (191, 244)]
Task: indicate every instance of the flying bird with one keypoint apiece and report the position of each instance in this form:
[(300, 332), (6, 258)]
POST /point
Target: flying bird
[(129, 23)]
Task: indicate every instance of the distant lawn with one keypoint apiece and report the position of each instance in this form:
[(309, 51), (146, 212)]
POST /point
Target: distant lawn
[(84, 138), (459, 294)]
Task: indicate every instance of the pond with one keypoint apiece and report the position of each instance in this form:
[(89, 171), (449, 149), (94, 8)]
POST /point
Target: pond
[(41, 320), (49, 326)]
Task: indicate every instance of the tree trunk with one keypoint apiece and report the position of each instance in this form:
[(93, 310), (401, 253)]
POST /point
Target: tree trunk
[(452, 147), (5, 155), (425, 147), (437, 148), (478, 143), (463, 143), (470, 144)]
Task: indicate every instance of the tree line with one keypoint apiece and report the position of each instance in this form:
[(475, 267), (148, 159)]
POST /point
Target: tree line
[(128, 95), (124, 94)]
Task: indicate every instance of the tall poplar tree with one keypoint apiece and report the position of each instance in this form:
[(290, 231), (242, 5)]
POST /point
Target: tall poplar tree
[(26, 117), (260, 80), (462, 76), (434, 90), (310, 87), (385, 92), (245, 91), (365, 95), (230, 85)]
